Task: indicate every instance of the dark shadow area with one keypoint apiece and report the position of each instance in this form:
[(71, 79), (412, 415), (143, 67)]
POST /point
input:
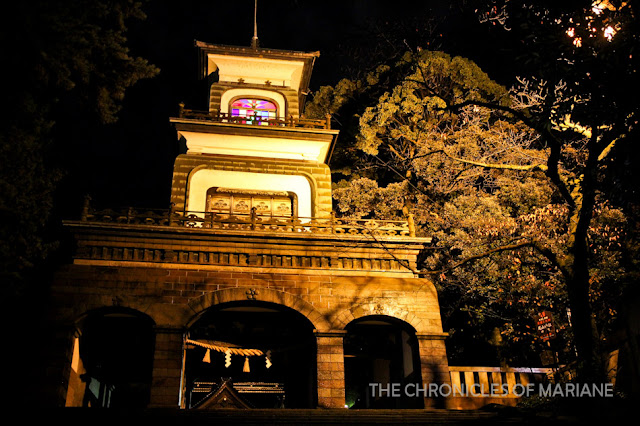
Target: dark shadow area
[(384, 351), (116, 348)]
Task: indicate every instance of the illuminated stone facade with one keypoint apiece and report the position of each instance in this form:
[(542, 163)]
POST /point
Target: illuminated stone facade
[(278, 246)]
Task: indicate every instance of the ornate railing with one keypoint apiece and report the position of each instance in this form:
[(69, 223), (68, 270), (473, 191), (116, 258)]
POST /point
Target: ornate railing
[(250, 222), (222, 117)]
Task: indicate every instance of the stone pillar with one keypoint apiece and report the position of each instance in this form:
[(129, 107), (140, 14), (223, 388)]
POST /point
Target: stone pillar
[(61, 345), (434, 365), (330, 345), (76, 385), (167, 368)]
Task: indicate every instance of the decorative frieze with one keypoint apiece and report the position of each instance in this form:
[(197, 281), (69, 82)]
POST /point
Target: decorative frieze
[(233, 258)]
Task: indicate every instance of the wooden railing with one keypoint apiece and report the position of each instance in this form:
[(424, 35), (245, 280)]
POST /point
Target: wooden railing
[(222, 117), (496, 381), (250, 222), (475, 387)]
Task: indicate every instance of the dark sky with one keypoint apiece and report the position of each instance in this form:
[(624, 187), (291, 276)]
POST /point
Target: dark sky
[(130, 163)]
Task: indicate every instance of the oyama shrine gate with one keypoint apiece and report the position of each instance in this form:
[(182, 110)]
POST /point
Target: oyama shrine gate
[(248, 291)]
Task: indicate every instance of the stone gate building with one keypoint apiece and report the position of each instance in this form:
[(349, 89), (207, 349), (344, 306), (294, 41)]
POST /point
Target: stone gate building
[(248, 292)]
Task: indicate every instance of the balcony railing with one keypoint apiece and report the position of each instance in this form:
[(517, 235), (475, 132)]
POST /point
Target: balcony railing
[(222, 117), (250, 222)]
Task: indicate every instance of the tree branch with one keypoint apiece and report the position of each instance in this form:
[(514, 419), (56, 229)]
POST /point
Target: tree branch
[(404, 178), (532, 167), (545, 132), (546, 252)]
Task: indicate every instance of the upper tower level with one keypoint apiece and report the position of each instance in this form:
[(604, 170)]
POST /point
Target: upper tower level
[(252, 150), (275, 82), (254, 110)]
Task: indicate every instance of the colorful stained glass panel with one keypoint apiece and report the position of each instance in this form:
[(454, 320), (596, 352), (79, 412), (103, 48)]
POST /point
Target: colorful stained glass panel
[(248, 108)]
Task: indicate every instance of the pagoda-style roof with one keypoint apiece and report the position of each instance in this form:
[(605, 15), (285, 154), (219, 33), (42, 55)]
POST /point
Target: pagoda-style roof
[(258, 66), (223, 397)]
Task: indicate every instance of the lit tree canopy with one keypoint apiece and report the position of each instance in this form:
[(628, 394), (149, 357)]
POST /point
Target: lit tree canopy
[(506, 181)]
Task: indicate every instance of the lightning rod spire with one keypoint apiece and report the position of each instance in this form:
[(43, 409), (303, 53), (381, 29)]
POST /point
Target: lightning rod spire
[(254, 39)]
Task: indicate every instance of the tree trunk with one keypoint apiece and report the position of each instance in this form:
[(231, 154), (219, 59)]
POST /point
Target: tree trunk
[(586, 337), (585, 332)]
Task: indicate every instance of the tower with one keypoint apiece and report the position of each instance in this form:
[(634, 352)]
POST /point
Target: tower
[(248, 286), (252, 149)]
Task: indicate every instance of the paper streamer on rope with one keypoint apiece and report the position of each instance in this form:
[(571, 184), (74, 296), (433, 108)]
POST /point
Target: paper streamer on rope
[(227, 359), (267, 359), (246, 365)]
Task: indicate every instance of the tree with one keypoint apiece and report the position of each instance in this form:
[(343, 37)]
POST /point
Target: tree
[(507, 182), (64, 61), (62, 58), (589, 50)]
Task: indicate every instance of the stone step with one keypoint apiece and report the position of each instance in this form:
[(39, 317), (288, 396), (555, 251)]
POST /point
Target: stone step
[(289, 417)]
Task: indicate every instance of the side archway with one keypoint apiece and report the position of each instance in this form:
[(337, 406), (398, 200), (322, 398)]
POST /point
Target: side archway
[(383, 351), (378, 307), (112, 359)]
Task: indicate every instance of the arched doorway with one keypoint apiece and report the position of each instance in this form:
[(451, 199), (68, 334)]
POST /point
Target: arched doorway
[(265, 351), (384, 351), (116, 348)]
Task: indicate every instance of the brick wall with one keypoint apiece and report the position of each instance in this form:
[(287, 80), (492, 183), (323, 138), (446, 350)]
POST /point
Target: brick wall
[(167, 368), (174, 298)]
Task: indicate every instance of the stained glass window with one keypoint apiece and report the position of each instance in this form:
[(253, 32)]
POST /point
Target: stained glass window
[(254, 109)]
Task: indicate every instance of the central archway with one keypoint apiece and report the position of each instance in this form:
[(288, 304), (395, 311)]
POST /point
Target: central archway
[(265, 351)]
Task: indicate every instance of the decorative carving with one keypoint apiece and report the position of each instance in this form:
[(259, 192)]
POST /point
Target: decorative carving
[(262, 206), (251, 192), (252, 293), (283, 209), (379, 309), (384, 306), (241, 206), (220, 204)]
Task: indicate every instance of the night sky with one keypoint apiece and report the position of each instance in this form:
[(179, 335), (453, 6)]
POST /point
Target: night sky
[(130, 163)]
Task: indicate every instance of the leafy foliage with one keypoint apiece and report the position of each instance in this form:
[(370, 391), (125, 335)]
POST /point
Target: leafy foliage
[(496, 176)]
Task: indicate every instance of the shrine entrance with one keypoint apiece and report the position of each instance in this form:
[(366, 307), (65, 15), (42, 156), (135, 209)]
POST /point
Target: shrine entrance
[(264, 352), (381, 350)]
